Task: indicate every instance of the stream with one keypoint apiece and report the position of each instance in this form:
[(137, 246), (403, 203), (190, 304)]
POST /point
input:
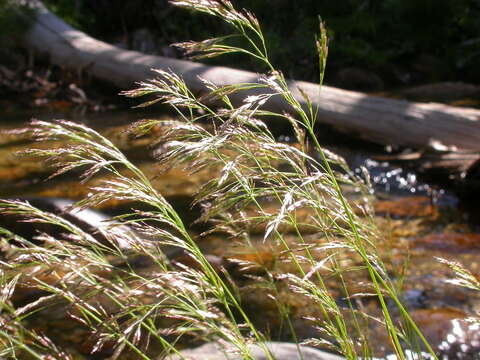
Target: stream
[(421, 222)]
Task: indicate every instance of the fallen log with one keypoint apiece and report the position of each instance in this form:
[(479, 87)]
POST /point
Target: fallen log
[(454, 165), (376, 119)]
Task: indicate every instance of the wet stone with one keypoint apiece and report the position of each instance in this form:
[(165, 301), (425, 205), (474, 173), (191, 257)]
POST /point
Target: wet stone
[(408, 206), (452, 242), (451, 331)]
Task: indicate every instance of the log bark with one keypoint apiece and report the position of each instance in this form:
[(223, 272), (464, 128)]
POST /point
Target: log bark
[(381, 120)]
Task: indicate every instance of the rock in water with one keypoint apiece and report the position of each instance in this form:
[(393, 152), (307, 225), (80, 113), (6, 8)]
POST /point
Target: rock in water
[(88, 220), (279, 350)]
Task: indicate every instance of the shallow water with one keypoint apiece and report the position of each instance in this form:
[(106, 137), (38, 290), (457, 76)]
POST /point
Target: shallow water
[(419, 221)]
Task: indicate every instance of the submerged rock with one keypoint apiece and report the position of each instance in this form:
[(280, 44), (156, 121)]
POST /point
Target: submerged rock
[(407, 206), (90, 221), (452, 242), (279, 350), (452, 332)]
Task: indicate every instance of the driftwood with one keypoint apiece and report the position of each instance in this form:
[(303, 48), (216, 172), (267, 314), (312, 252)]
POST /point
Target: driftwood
[(381, 120)]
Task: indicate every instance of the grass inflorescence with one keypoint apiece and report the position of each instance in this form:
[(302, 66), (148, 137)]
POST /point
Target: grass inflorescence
[(261, 185)]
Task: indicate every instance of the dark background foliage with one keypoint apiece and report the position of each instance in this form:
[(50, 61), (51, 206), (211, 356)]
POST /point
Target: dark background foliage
[(403, 41), (11, 25)]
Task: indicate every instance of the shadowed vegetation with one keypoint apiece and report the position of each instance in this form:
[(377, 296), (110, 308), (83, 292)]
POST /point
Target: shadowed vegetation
[(387, 37)]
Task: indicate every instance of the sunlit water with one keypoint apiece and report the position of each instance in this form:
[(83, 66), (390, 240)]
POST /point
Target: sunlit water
[(426, 292)]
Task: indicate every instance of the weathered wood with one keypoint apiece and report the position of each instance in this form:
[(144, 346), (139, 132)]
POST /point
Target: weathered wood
[(381, 120)]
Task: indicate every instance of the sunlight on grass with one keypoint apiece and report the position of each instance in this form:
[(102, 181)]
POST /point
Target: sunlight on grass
[(139, 312)]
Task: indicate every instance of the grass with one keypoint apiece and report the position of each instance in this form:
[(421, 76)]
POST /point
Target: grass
[(134, 313)]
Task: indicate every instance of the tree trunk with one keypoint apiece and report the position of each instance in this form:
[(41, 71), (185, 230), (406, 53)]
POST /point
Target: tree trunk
[(376, 119)]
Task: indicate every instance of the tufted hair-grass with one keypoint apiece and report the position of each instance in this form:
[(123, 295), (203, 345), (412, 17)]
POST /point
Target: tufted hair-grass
[(140, 311)]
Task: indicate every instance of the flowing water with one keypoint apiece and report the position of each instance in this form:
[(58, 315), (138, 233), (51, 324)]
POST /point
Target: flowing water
[(420, 222)]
